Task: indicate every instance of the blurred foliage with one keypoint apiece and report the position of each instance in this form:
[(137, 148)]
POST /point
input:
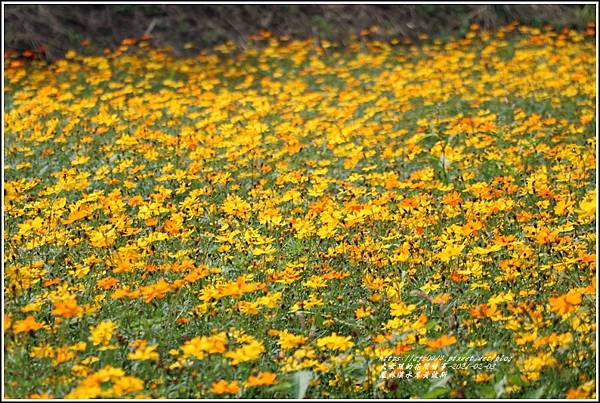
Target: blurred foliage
[(54, 29)]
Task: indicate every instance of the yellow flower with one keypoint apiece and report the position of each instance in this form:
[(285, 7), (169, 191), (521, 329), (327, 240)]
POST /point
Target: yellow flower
[(143, 351), (236, 206), (335, 342), (316, 282), (363, 312), (93, 386), (482, 377), (198, 346), (42, 351), (532, 366), (103, 237), (450, 252), (102, 333), (288, 340), (126, 384), (587, 208), (249, 352), (401, 308)]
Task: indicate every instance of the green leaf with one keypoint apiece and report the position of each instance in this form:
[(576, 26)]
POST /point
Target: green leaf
[(487, 391), (356, 368), (440, 382), (280, 387), (515, 380), (431, 324), (499, 387), (301, 381), (429, 140), (435, 392), (535, 394)]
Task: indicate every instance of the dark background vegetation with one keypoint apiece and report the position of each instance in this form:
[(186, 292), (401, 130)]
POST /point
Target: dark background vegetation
[(58, 28)]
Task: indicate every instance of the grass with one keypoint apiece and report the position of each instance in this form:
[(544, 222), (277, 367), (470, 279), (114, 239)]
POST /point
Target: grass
[(279, 221)]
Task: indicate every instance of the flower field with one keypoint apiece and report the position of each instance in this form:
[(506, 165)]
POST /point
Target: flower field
[(301, 219)]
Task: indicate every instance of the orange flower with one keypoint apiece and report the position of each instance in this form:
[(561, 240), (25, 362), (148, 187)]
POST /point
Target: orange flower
[(107, 283), (128, 41), (452, 199), (222, 387), (576, 394), (135, 200), (17, 63), (26, 325), (239, 287), (40, 396), (566, 303), (171, 227), (7, 322), (263, 378), (441, 342), (81, 212), (122, 292), (67, 308), (545, 236), (401, 348), (63, 354), (157, 290), (52, 281)]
